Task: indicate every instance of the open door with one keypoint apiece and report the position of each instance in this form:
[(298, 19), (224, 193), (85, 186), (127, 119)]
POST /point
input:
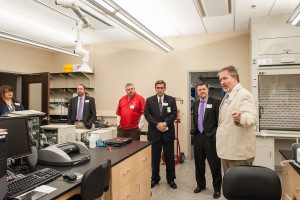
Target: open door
[(35, 92)]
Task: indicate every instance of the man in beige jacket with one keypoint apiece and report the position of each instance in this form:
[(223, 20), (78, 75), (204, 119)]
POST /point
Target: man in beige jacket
[(235, 138)]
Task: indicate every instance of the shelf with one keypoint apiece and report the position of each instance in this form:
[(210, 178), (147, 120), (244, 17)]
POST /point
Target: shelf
[(69, 73), (209, 77), (58, 120), (54, 105), (87, 88), (63, 88)]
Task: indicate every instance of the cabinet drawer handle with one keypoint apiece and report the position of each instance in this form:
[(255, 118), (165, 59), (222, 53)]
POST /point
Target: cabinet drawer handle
[(125, 172), (127, 196), (145, 159)]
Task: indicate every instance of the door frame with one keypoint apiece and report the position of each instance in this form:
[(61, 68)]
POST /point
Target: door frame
[(44, 79)]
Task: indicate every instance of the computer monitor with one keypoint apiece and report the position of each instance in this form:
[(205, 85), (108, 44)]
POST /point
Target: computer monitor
[(17, 139)]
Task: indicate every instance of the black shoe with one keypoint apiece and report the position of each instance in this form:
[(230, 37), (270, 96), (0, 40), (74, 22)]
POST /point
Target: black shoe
[(217, 194), (153, 183), (173, 184), (198, 189)]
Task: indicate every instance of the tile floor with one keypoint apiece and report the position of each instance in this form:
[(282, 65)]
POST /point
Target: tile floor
[(186, 184)]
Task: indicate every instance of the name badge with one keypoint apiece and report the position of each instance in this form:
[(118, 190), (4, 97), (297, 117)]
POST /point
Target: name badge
[(87, 101), (131, 106), (165, 104), (168, 109), (208, 105), (17, 104)]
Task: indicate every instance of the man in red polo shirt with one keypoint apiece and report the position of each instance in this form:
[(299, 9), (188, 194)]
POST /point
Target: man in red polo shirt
[(130, 113)]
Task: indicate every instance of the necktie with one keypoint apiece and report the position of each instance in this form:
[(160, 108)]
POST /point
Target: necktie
[(80, 109), (200, 116), (160, 106), (224, 99)]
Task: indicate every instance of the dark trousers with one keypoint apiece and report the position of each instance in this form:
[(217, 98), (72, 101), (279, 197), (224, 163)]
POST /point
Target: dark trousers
[(206, 149), (133, 133), (168, 148)]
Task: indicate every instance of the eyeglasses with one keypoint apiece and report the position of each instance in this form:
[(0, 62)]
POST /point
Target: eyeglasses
[(7, 91)]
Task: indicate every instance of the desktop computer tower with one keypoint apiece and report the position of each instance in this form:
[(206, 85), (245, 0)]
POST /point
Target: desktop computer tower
[(3, 163)]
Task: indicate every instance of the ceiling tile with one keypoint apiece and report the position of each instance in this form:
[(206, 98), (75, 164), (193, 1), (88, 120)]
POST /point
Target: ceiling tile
[(284, 6), (219, 23), (245, 9), (179, 17), (149, 15)]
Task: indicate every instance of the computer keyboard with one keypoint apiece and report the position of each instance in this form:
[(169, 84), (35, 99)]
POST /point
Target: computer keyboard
[(30, 181)]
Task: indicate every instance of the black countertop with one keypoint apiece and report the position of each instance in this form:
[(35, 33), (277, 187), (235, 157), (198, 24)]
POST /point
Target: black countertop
[(288, 155), (99, 154)]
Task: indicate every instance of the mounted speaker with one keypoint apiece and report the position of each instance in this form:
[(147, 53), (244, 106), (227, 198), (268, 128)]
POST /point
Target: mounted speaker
[(33, 158)]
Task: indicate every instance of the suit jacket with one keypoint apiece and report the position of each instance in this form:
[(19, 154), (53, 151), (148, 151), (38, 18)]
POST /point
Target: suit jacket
[(210, 120), (4, 108), (153, 117), (237, 141), (89, 111)]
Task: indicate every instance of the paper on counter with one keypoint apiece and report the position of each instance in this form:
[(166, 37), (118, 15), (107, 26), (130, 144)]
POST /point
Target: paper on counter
[(45, 189)]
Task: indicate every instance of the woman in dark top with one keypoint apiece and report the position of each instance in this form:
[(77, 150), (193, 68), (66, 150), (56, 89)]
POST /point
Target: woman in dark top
[(7, 102)]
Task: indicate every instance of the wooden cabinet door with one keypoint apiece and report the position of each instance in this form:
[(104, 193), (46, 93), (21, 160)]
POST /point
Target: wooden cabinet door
[(142, 184)]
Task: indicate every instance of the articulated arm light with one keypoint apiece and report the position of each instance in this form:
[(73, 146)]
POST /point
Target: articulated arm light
[(84, 23)]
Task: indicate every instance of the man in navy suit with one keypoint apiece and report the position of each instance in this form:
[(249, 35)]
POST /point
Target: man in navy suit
[(82, 109), (160, 112), (206, 113)]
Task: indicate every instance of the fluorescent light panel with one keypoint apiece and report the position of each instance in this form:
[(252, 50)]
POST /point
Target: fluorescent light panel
[(16, 38), (144, 34), (295, 16), (212, 8), (120, 16), (106, 5)]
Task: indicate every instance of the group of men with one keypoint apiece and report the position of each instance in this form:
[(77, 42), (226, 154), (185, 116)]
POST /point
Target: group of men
[(223, 131)]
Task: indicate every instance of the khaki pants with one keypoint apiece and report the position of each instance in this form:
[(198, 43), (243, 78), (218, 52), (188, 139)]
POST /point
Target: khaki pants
[(80, 125), (133, 133), (231, 163), (81, 136)]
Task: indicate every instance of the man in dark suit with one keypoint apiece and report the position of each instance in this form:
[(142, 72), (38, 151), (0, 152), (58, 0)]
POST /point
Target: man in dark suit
[(82, 109), (206, 113), (160, 112)]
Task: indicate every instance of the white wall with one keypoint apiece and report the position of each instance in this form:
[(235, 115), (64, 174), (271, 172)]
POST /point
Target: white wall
[(16, 57)]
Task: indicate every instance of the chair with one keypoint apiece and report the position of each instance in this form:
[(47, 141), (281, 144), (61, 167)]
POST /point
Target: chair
[(251, 183), (95, 182)]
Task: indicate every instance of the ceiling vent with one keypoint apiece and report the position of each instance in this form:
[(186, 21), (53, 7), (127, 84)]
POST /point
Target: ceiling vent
[(211, 8)]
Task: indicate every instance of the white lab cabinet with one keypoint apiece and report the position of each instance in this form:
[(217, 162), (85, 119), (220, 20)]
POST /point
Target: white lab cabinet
[(264, 155), (279, 45)]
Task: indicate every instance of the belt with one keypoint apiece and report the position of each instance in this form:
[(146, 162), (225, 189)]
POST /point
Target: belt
[(78, 120)]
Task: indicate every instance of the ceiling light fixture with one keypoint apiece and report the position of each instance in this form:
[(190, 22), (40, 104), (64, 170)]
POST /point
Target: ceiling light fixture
[(114, 12), (16, 38), (211, 8), (295, 17)]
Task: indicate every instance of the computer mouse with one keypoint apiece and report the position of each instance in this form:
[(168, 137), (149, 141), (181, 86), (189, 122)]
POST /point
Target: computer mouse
[(70, 177)]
